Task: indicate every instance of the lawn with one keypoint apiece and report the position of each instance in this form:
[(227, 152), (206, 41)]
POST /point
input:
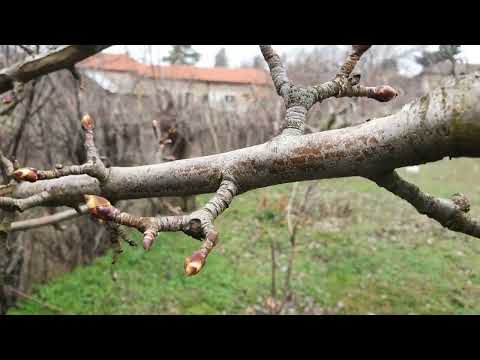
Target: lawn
[(362, 251)]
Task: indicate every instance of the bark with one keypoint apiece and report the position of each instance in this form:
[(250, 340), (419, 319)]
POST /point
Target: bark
[(443, 123)]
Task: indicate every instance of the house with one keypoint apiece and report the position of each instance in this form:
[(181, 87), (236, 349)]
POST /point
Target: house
[(216, 87)]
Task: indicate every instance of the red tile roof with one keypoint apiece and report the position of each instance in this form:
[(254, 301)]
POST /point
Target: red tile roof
[(124, 63)]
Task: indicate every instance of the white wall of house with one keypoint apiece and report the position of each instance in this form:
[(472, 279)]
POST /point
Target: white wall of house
[(225, 95)]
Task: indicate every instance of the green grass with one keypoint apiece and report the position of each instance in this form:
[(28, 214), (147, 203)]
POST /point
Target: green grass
[(380, 257)]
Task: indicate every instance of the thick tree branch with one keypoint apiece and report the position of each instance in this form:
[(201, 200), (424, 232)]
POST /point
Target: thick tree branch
[(64, 57), (444, 123)]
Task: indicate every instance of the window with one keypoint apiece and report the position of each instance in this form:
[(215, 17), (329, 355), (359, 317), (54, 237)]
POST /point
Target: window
[(205, 99), (229, 99)]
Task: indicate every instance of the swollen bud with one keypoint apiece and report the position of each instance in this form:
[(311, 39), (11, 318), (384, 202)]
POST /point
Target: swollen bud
[(99, 207), (194, 263), (384, 93), (87, 123), (26, 174)]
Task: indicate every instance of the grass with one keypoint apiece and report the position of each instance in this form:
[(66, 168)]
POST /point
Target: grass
[(378, 257)]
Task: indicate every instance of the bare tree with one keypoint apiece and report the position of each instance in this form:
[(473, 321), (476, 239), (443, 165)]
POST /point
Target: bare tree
[(443, 123)]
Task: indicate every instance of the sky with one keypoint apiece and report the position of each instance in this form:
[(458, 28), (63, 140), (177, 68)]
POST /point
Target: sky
[(241, 53)]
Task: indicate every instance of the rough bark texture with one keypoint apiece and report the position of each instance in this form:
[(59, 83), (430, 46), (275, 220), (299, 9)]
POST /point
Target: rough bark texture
[(443, 123)]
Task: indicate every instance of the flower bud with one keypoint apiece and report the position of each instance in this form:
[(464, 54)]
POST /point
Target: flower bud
[(194, 263), (26, 174), (87, 123), (99, 207), (384, 93)]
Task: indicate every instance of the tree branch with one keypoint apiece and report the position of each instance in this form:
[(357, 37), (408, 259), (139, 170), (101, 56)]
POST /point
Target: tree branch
[(198, 224), (299, 100), (47, 220), (443, 123), (435, 126), (450, 213), (64, 57), (93, 167)]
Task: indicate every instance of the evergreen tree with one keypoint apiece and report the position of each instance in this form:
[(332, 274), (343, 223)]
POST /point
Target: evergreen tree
[(258, 62), (182, 55), (221, 59)]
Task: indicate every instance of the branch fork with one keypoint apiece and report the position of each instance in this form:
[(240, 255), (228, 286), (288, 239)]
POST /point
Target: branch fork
[(198, 224), (299, 100), (94, 166)]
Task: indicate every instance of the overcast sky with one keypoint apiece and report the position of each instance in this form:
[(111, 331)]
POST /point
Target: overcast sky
[(240, 53)]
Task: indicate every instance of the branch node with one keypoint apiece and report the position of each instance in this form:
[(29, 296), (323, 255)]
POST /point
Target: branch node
[(461, 201)]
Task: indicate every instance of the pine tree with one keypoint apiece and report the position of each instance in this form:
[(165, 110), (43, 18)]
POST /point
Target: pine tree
[(221, 59), (182, 55), (258, 62)]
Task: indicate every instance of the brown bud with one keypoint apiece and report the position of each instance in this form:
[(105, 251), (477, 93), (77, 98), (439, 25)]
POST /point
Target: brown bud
[(105, 212), (360, 49), (99, 207), (194, 263), (26, 174), (87, 123), (384, 93)]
